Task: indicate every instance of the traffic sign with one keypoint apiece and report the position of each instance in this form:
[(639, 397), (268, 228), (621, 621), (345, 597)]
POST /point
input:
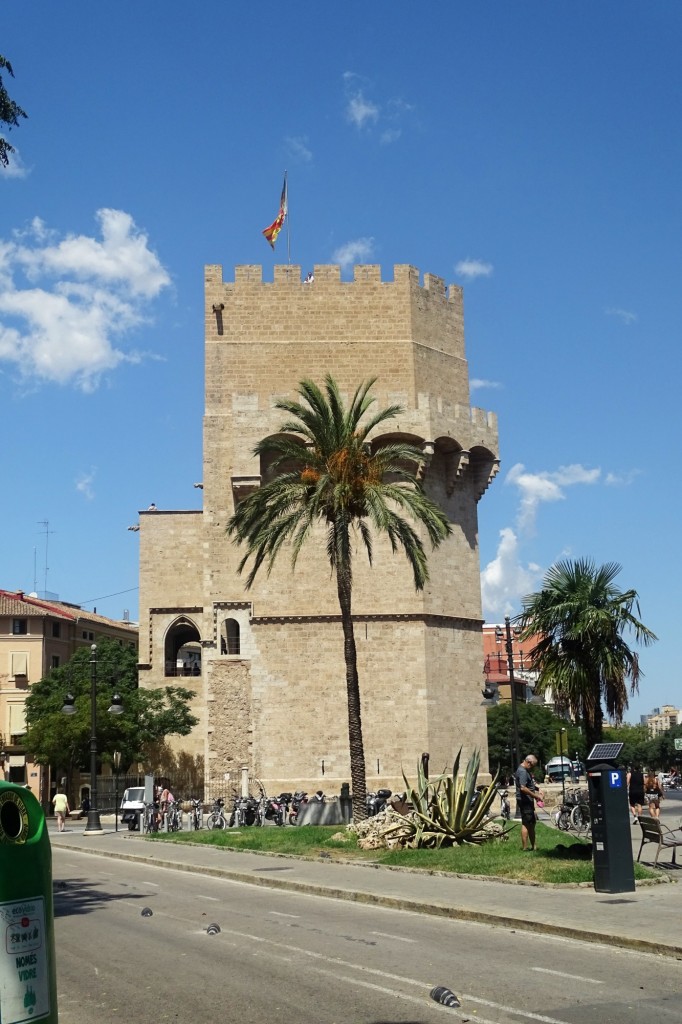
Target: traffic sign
[(678, 742)]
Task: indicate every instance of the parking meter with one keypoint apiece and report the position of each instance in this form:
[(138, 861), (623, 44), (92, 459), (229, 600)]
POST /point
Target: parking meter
[(28, 980), (611, 840)]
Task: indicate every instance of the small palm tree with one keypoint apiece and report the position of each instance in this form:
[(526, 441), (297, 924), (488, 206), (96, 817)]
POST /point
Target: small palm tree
[(330, 475), (581, 617)]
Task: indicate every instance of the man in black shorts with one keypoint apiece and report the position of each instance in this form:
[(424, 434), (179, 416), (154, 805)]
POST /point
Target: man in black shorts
[(527, 793)]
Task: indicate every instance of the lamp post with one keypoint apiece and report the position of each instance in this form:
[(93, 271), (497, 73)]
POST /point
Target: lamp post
[(117, 765), (512, 682), (94, 825)]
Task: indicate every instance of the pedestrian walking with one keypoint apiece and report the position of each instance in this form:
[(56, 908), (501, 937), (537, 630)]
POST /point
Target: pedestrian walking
[(527, 795), (61, 808), (635, 783), (653, 793)]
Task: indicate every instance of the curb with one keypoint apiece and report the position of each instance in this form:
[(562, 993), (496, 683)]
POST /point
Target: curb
[(402, 903)]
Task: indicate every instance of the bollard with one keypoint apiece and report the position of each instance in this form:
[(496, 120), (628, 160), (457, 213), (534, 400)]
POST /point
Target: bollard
[(28, 977)]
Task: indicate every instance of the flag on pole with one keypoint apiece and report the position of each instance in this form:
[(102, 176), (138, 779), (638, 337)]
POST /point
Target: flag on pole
[(273, 231)]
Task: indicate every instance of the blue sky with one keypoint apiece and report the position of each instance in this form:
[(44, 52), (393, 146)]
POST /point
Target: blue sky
[(530, 151)]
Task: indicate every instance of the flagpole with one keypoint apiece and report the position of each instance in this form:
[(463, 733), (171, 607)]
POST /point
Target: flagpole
[(286, 179)]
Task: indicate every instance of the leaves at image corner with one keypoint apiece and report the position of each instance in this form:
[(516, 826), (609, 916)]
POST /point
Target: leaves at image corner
[(148, 716), (10, 112)]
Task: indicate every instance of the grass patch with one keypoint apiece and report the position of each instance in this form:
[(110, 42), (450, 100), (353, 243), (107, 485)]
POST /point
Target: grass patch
[(551, 862)]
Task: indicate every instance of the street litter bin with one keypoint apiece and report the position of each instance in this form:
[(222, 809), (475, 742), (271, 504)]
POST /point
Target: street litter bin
[(611, 838), (28, 979)]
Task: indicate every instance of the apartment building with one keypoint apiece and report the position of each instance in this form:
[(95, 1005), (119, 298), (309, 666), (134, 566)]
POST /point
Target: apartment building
[(35, 637)]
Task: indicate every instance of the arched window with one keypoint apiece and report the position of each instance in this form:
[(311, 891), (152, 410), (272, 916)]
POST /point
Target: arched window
[(229, 637), (183, 649)]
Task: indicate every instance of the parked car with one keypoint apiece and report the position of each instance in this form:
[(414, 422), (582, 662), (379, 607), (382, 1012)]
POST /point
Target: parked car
[(132, 805)]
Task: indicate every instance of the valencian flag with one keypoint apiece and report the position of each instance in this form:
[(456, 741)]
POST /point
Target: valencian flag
[(273, 231)]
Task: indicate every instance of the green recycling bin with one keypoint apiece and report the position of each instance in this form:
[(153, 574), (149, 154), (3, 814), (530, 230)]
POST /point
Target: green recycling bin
[(28, 978)]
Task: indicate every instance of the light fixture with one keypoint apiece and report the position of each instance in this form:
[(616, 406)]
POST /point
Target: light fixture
[(116, 707), (69, 707)]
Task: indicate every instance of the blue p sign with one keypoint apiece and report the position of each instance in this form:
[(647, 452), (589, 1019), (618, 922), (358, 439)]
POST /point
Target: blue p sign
[(615, 780)]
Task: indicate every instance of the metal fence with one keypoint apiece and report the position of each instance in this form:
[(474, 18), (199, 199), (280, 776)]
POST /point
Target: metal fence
[(183, 788)]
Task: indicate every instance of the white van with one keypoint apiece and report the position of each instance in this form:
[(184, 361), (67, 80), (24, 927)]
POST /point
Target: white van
[(131, 806), (558, 768)]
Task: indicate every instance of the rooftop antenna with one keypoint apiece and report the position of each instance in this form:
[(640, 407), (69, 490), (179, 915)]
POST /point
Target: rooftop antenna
[(35, 570), (48, 531)]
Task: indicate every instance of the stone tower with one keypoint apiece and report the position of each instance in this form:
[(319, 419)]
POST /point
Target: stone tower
[(267, 664)]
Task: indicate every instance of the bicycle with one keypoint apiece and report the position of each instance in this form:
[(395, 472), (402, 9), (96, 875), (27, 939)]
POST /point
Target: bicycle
[(581, 819), (216, 818), (172, 818), (151, 818), (505, 806), (196, 814)]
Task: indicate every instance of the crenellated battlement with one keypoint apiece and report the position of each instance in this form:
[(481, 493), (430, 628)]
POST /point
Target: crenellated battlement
[(366, 309), (329, 275)]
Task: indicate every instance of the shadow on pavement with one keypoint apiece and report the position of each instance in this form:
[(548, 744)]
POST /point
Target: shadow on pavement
[(77, 896)]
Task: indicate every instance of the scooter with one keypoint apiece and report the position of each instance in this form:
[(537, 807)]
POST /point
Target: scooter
[(376, 802), (298, 800)]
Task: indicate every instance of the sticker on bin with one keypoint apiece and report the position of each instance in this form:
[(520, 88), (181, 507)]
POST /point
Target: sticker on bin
[(24, 986)]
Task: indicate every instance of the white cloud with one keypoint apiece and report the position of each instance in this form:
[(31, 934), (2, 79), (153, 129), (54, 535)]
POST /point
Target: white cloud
[(624, 315), (389, 136), (478, 383), (358, 251), (537, 488), (58, 321), (473, 268), (387, 117), (84, 484), (622, 479), (505, 581), (15, 167), (360, 111), (298, 149)]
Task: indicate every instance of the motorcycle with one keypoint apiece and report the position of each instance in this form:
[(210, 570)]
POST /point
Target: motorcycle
[(298, 800), (377, 802), (275, 808), (245, 812)]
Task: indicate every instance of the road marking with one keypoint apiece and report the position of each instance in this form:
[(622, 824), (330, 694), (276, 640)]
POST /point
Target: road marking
[(214, 899), (336, 962), (509, 1009), (277, 913), (398, 938), (565, 974)]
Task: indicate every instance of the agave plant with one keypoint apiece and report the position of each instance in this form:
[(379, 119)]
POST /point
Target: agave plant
[(445, 811)]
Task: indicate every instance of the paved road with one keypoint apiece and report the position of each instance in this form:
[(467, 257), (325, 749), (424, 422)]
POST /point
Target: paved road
[(289, 957)]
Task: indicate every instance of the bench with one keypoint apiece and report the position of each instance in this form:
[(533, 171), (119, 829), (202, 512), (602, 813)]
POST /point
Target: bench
[(654, 832)]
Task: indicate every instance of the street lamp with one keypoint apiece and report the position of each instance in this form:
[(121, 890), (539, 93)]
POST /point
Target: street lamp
[(512, 680), (94, 825), (117, 765)]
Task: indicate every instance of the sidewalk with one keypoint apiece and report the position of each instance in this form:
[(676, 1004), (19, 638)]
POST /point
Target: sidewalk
[(647, 920)]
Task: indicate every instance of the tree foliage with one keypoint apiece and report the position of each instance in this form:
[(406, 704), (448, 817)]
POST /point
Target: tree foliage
[(538, 727), (148, 716), (581, 616), (329, 475), (10, 112)]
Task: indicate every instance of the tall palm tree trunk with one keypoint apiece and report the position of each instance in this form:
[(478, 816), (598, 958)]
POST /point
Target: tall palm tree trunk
[(357, 749), (594, 721)]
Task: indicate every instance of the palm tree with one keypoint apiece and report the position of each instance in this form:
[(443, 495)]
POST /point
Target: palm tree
[(330, 475), (581, 617)]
